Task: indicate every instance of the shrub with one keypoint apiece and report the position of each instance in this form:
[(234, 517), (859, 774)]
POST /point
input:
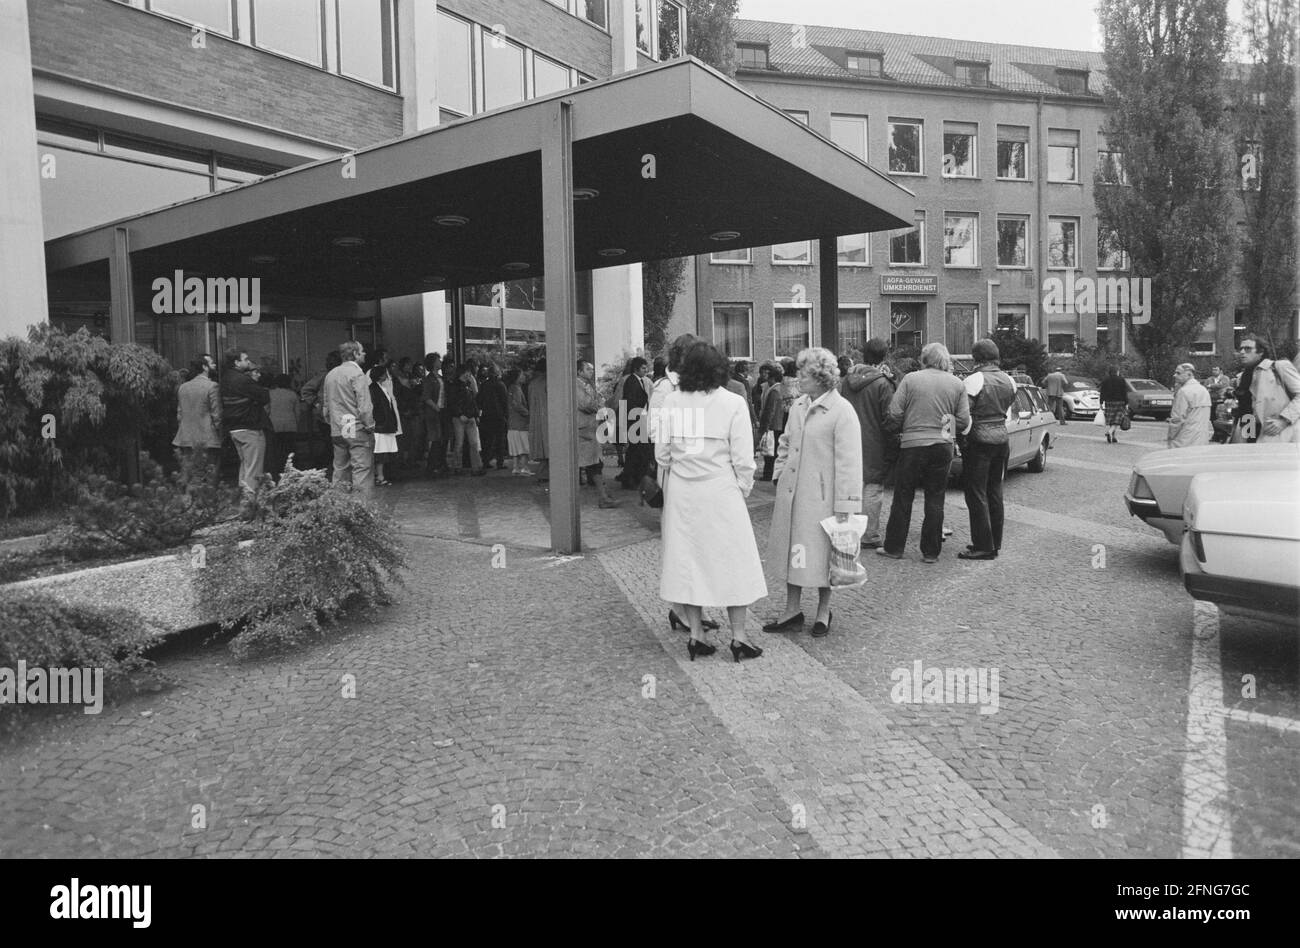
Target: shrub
[(1092, 362), (44, 631), (315, 553), (68, 403), (162, 512), (1014, 349)]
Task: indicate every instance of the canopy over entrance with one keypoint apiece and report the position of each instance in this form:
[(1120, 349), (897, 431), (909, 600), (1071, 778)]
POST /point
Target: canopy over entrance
[(669, 161)]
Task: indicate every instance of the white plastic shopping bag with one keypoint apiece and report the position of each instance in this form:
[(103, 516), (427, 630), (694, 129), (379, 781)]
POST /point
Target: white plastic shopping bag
[(846, 544), (1099, 418)]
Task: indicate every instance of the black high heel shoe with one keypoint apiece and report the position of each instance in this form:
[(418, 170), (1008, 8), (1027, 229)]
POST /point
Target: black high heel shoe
[(741, 650), (676, 623), (699, 648)]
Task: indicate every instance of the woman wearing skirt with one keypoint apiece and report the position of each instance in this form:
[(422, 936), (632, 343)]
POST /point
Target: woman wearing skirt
[(388, 422), (710, 556)]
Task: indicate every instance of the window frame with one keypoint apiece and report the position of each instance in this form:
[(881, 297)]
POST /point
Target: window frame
[(865, 309), (975, 240), (1125, 264), (393, 48), (713, 323), (743, 46), (866, 132), (322, 42), (920, 330), (807, 308), (974, 156), (792, 263), (481, 94), (1004, 309), (1103, 162), (232, 6), (877, 58), (919, 227), (1024, 219), (1063, 73), (1078, 224), (975, 325), (747, 262), (1029, 152), (853, 264), (795, 113), (473, 66), (1075, 148), (919, 124), (967, 64)]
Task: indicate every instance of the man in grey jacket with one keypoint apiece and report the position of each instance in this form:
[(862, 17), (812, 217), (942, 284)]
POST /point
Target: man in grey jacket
[(350, 414), (869, 389), (932, 408), (198, 416)]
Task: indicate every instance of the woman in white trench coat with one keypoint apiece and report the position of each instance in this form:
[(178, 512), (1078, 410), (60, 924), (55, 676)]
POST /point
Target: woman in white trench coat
[(706, 446), (819, 474)]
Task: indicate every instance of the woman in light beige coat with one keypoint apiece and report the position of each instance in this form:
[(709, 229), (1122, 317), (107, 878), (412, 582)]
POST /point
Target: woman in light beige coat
[(818, 474)]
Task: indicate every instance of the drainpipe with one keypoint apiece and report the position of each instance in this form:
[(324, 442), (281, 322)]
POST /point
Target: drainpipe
[(1040, 268)]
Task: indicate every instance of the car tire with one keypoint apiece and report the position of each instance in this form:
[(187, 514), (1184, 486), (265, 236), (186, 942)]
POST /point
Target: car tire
[(1038, 462)]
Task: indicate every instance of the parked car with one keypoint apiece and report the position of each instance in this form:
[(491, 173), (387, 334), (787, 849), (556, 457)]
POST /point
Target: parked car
[(1081, 397), (1242, 545), (1148, 397), (1029, 424), (1158, 486)]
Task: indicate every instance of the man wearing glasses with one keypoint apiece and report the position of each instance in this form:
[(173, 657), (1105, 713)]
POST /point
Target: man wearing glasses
[(1274, 387)]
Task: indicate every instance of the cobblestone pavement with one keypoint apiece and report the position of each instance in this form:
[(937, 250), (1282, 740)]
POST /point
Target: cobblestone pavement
[(546, 709)]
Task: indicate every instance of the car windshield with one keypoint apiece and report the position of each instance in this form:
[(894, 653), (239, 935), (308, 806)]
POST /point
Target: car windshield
[(1146, 385)]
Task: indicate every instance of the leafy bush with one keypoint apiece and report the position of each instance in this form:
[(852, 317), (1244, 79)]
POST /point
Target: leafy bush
[(162, 512), (46, 632), (1014, 349), (68, 403), (1092, 362), (315, 553)]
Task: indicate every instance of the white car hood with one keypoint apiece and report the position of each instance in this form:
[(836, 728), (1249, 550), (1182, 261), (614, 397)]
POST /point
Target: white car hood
[(1221, 457)]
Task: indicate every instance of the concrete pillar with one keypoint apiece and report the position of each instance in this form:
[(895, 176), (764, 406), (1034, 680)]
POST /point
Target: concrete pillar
[(618, 303), (23, 299), (417, 31)]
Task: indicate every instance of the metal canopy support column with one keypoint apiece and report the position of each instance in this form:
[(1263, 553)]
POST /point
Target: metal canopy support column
[(121, 321), (561, 328), (829, 258)]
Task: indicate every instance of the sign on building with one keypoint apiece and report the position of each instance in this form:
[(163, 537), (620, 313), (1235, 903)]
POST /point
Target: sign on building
[(909, 283)]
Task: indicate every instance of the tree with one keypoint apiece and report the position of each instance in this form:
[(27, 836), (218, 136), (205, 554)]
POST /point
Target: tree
[(1014, 350), (710, 39), (1164, 70), (1263, 106)]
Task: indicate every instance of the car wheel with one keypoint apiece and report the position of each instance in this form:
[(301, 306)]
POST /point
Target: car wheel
[(1039, 461)]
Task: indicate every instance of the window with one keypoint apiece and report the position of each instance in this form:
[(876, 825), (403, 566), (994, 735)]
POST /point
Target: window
[(1110, 167), (212, 15), (1014, 317), (594, 11), (1205, 342), (730, 256), (549, 76), (366, 40), (959, 322), (792, 328), (1013, 240), (868, 64), (643, 27), (959, 148), (850, 133), (291, 27), (905, 147), (732, 329), (1013, 152), (1249, 159), (1062, 243), (906, 325), (1061, 341), (752, 55), (672, 30), (1063, 155), (1104, 340), (798, 253), (961, 240), (854, 250), (1072, 81), (1110, 255), (797, 115), (1239, 327), (156, 153), (972, 74), (503, 71), (908, 250), (854, 326), (455, 72)]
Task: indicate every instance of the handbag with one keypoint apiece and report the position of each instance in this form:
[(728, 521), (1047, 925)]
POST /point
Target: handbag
[(1125, 422), (767, 444), (652, 495)]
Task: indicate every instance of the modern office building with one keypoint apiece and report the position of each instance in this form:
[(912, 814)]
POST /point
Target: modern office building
[(142, 103), (999, 144)]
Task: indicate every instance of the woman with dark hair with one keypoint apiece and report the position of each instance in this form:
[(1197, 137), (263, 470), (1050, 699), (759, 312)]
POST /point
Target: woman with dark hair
[(433, 403), (705, 447), (634, 402), (1114, 400), (517, 421), (387, 423), (659, 371)]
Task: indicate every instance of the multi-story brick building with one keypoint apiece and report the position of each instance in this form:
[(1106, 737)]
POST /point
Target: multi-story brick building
[(139, 103), (1000, 145)]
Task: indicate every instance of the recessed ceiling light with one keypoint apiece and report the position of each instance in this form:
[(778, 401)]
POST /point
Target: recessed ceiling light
[(348, 241), (516, 266), (264, 259), (612, 252), (724, 235), (585, 194), (451, 220)]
